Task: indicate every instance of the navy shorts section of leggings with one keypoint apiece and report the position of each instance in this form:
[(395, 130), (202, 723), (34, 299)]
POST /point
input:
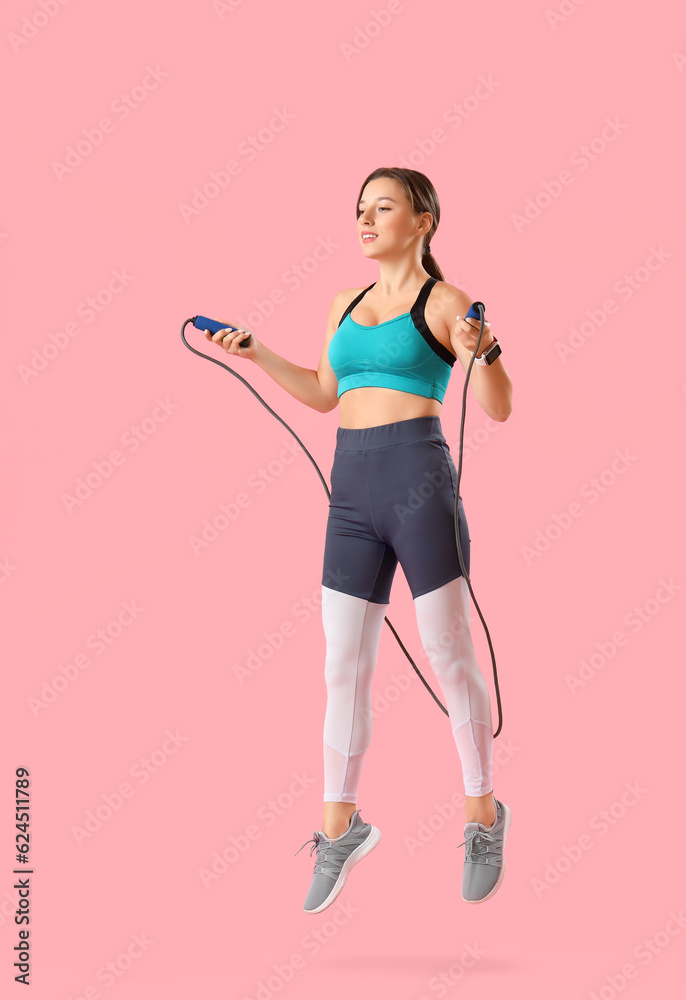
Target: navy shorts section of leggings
[(393, 500)]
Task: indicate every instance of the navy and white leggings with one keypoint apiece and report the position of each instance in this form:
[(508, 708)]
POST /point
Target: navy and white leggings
[(393, 499)]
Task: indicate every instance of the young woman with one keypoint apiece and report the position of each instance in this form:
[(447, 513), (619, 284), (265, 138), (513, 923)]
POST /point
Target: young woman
[(387, 359)]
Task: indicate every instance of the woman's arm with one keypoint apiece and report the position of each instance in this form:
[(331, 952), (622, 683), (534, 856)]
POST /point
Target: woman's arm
[(491, 384), (318, 389), (302, 383)]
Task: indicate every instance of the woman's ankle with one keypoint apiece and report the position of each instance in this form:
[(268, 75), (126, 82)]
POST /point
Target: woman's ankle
[(336, 820), (336, 835), (481, 810)]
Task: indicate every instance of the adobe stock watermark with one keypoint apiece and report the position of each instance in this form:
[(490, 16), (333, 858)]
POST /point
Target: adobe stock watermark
[(293, 277), (447, 978), (6, 570), (387, 352), (625, 287), (605, 651), (221, 8), (69, 673), (141, 771), (363, 35), (283, 973), (445, 812), (230, 511), (382, 699), (110, 973), (424, 488), (562, 13), (88, 310), (454, 116), (9, 904), (646, 952), (249, 148), (31, 24), (238, 844), (602, 823), (591, 491), (274, 639), (121, 107), (451, 636), (581, 159), (400, 683), (101, 469)]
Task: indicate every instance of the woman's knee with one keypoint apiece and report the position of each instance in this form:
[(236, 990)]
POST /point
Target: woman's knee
[(343, 669)]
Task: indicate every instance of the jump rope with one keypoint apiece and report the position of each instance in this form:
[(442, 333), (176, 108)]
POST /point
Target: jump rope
[(203, 323)]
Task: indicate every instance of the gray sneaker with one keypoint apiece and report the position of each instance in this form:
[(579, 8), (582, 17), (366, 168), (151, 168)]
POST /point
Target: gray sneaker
[(484, 864), (335, 858)]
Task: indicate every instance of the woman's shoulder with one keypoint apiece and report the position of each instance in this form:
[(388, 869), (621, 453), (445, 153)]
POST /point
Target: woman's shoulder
[(348, 294), (451, 296), (448, 301), (344, 298), (444, 304), (339, 306)]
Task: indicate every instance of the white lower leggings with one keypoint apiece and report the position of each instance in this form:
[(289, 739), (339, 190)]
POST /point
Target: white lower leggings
[(352, 627)]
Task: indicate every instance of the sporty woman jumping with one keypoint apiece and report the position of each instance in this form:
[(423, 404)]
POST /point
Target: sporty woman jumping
[(387, 360)]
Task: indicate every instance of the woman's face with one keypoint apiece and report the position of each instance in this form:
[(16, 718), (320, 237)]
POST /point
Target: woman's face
[(384, 211)]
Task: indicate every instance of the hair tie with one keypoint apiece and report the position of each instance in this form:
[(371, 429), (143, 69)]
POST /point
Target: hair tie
[(427, 248)]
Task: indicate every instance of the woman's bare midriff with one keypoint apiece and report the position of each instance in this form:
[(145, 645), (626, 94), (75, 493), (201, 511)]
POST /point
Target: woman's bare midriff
[(370, 405)]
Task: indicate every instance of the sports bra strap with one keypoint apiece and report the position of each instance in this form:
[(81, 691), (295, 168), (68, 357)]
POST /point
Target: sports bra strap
[(417, 306), (419, 320), (402, 354), (354, 302), (424, 294)]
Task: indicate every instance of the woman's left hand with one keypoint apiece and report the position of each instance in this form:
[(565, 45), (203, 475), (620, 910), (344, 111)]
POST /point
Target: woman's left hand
[(466, 332)]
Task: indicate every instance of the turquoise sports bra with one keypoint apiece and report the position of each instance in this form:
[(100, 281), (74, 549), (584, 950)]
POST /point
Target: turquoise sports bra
[(400, 353)]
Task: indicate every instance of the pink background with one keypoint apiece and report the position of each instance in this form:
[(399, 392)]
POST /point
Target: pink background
[(569, 919)]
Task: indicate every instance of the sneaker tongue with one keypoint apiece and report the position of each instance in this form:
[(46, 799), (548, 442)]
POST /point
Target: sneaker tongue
[(468, 827)]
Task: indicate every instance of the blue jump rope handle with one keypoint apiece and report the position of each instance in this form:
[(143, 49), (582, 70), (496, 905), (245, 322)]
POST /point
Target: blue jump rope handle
[(214, 326), (473, 311)]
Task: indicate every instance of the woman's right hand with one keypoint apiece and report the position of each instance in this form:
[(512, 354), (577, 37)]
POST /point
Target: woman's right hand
[(230, 341)]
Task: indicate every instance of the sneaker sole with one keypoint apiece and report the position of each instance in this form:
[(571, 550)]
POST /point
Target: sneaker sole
[(357, 855), (506, 830)]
